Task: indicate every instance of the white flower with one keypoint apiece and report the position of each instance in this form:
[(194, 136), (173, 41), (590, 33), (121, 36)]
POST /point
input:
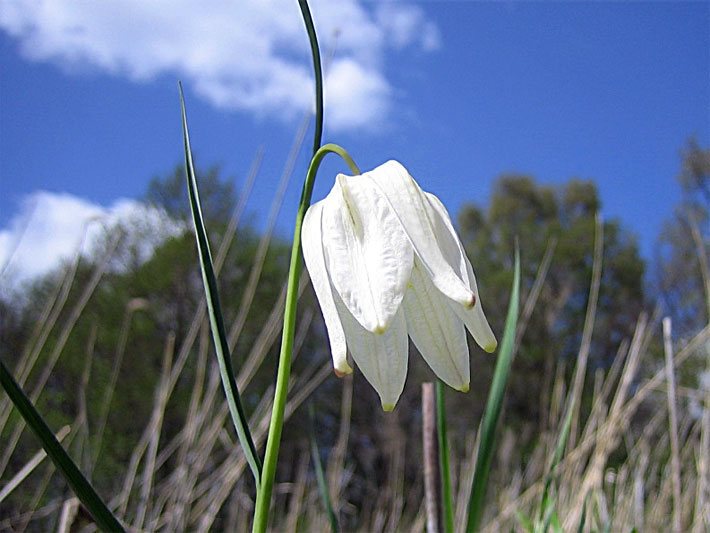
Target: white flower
[(385, 261)]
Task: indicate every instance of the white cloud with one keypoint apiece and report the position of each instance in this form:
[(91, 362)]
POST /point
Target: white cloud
[(52, 227), (250, 55)]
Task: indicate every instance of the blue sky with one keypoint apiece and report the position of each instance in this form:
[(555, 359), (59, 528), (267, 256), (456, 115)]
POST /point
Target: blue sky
[(458, 91)]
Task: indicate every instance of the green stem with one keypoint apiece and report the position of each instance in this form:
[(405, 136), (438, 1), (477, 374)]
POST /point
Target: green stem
[(318, 71), (446, 496), (263, 497)]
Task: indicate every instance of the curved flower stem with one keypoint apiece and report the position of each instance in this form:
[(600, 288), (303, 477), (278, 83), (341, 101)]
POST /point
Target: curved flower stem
[(263, 497), (317, 70)]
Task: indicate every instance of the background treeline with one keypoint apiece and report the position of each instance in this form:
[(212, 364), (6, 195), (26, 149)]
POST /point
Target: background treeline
[(118, 349)]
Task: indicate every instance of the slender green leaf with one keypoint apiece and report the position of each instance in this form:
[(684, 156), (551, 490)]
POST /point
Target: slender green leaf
[(446, 493), (494, 405), (215, 310), (320, 475), (546, 501), (555, 523), (79, 484), (525, 522), (583, 518)]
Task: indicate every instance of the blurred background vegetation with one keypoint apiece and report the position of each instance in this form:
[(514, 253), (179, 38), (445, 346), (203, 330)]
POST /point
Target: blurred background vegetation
[(118, 348)]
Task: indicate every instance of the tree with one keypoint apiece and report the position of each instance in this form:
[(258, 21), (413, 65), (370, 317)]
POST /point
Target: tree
[(684, 246), (563, 217)]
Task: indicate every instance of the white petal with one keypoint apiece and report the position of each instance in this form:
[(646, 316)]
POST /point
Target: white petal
[(382, 358), (368, 255), (410, 205), (475, 319), (312, 243), (437, 332), (451, 246)]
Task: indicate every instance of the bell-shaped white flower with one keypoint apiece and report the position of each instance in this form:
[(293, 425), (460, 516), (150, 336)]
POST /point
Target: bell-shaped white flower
[(385, 262)]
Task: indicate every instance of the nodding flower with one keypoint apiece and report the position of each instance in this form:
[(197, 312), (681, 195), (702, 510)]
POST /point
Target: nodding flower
[(386, 263)]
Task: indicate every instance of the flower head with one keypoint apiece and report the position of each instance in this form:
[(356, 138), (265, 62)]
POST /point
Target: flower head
[(385, 263)]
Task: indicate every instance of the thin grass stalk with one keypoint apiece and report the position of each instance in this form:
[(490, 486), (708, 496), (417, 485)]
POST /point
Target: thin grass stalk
[(50, 313), (467, 468), (187, 451), (59, 347), (701, 249), (701, 518), (187, 447), (263, 247), (447, 501), (535, 291), (155, 424), (257, 354), (9, 524), (121, 500), (78, 483), (568, 430), (607, 435), (689, 349), (264, 342), (209, 436), (131, 307), (431, 459), (83, 442), (36, 498), (218, 478), (197, 444), (395, 475), (546, 503), (297, 493), (14, 246), (30, 466), (336, 461), (672, 425), (588, 328), (575, 455), (68, 515), (215, 311), (494, 406), (579, 453), (320, 475), (601, 401), (236, 217)]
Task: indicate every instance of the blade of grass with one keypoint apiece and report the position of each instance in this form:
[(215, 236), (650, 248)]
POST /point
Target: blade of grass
[(494, 405), (583, 518), (29, 467), (545, 502), (447, 501), (78, 483), (215, 311), (320, 475)]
